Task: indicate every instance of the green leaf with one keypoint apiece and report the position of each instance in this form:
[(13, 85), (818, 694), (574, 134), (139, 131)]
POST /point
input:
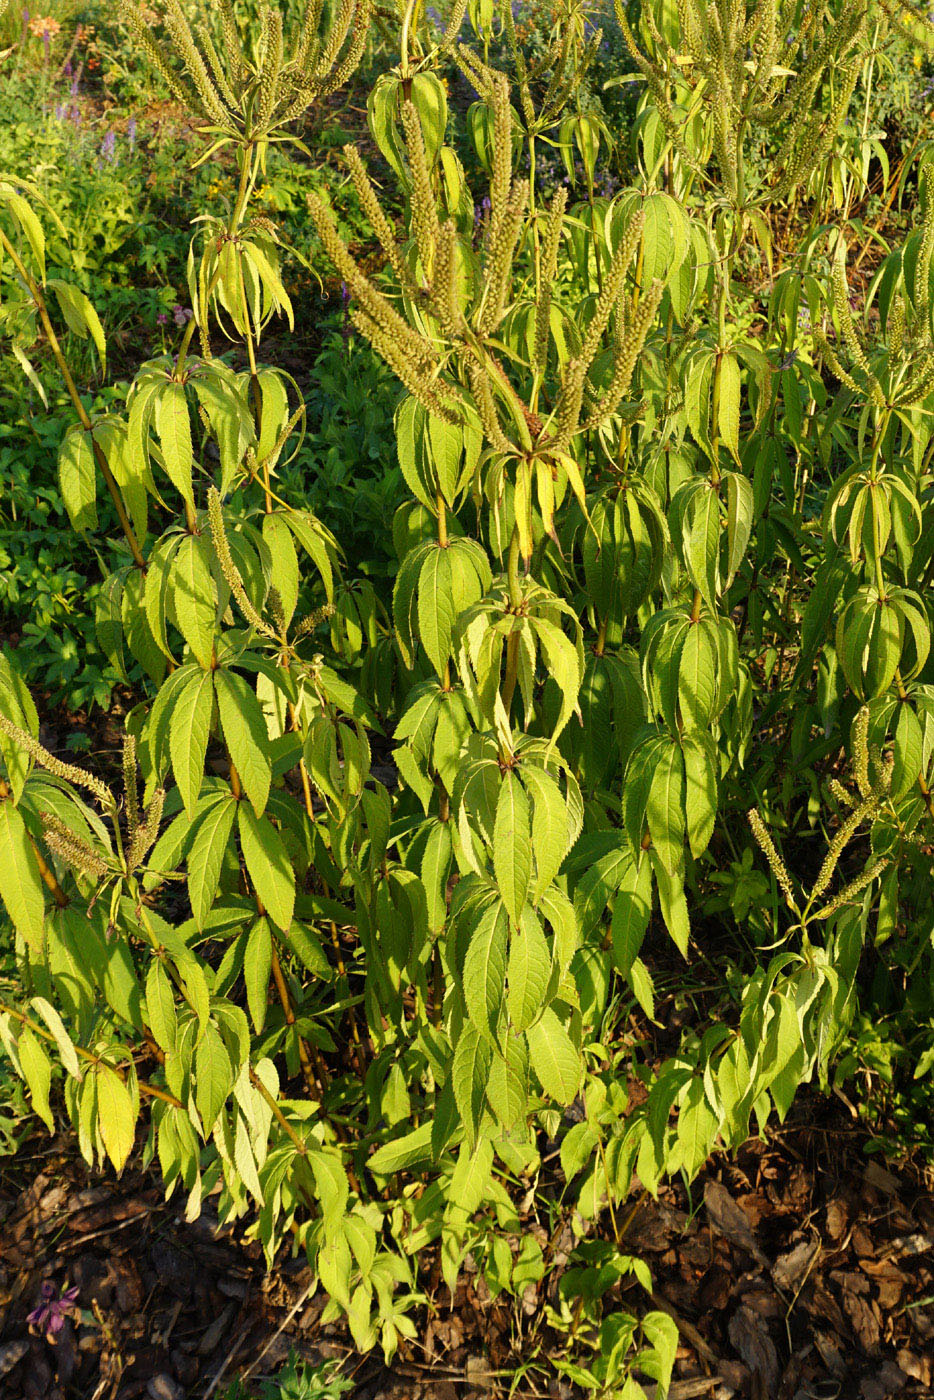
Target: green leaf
[(700, 791), (437, 607), (554, 1058), (245, 734), (728, 416), (641, 983), (160, 1007), (469, 1070), (402, 1153), (631, 914), (190, 726), (77, 474), (206, 856), (174, 429), (284, 560), (528, 972), (673, 904), (697, 1129), (257, 965), (485, 969), (37, 1072), (213, 1076), (116, 1116), (268, 864), (193, 597), (512, 845), (20, 881), (62, 1039), (80, 315), (664, 810)]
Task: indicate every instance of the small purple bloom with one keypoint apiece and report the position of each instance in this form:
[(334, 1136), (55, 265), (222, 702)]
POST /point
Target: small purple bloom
[(59, 111), (67, 68), (131, 132), (181, 315), (46, 43), (109, 146), (162, 317), (51, 1313)]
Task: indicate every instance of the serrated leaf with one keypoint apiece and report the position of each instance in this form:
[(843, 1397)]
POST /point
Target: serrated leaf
[(206, 856), (62, 1039), (512, 845), (268, 865), (631, 913), (485, 969), (700, 794), (193, 597), (257, 966), (213, 1076), (664, 810), (554, 1058), (728, 416), (189, 729), (20, 881), (174, 429), (469, 1070), (160, 1007), (528, 972), (437, 608), (116, 1116), (77, 474), (37, 1071), (246, 735)]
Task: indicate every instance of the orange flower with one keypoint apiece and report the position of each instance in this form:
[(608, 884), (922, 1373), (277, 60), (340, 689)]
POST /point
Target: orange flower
[(40, 26)]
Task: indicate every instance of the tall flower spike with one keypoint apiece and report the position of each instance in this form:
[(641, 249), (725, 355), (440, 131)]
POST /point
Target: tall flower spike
[(379, 223), (500, 260), (424, 211), (229, 569), (147, 831), (130, 784), (776, 864), (861, 752), (854, 888), (70, 848), (626, 357), (55, 766)]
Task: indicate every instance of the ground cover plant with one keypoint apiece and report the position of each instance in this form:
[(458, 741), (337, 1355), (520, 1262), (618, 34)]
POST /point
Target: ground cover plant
[(610, 679)]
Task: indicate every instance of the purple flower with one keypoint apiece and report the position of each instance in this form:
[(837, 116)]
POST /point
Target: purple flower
[(59, 111), (181, 315), (131, 132), (109, 146), (161, 318), (51, 1313), (67, 68), (46, 43)]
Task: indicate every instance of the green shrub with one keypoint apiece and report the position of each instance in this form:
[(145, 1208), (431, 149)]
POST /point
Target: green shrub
[(365, 909)]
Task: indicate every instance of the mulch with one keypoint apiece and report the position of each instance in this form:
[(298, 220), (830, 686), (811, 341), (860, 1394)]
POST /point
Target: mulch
[(800, 1269)]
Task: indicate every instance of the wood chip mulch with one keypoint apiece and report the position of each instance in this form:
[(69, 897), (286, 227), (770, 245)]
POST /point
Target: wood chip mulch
[(800, 1269)]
